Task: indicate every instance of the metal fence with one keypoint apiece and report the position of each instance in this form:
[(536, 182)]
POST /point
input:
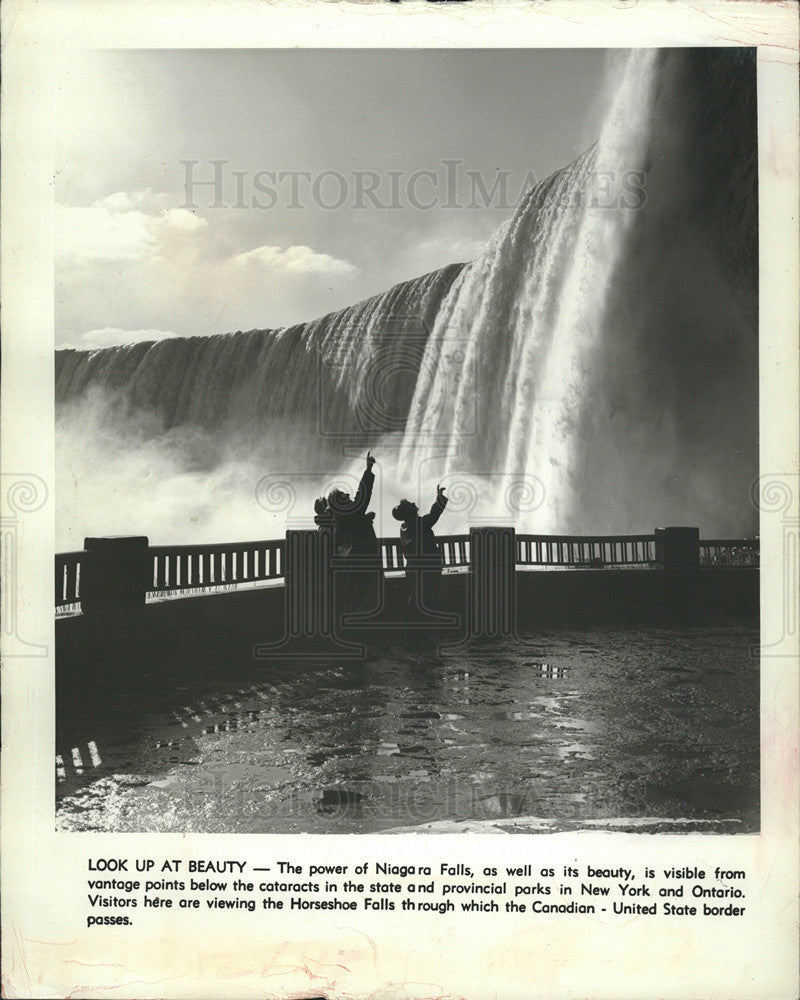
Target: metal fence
[(68, 578), (729, 552), (179, 568), (580, 550), (183, 567)]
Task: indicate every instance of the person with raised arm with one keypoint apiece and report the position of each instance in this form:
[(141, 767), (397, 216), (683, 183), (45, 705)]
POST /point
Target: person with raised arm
[(420, 550), (355, 543)]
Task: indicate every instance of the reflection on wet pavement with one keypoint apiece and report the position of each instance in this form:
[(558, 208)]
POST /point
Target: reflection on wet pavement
[(653, 725)]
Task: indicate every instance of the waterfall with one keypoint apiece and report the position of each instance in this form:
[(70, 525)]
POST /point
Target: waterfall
[(594, 369), (229, 436), (251, 379), (619, 280)]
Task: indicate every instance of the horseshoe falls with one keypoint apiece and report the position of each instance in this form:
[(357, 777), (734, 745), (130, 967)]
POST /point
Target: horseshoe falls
[(609, 331), (229, 437), (593, 370)]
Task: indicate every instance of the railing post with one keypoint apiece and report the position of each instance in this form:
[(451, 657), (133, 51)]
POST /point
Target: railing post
[(678, 549), (310, 601), (115, 574), (678, 552), (492, 600)]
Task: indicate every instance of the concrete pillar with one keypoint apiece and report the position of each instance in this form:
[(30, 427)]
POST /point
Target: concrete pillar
[(678, 549), (116, 573), (492, 596), (309, 602)]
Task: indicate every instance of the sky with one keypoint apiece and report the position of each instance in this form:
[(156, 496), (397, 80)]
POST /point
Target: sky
[(338, 173)]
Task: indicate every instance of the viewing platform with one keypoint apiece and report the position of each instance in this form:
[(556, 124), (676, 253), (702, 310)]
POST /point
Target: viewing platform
[(121, 601), (130, 570)]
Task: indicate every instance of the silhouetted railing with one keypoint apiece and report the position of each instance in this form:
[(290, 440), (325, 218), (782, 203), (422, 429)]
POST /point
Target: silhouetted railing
[(729, 552), (68, 578), (454, 549), (183, 567), (186, 567), (391, 556), (179, 568), (579, 550)]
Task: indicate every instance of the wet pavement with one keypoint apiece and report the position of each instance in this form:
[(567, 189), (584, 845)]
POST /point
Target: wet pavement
[(649, 728)]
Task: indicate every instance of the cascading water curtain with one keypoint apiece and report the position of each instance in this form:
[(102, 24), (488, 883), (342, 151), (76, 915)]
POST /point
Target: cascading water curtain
[(528, 315), (593, 370)]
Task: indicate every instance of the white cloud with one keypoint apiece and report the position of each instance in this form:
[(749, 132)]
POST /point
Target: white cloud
[(111, 336), (294, 260), (124, 226), (181, 218), (121, 201), (133, 265)]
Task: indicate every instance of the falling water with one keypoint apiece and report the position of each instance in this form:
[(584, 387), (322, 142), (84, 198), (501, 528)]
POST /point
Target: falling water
[(538, 316), (228, 437), (593, 370)]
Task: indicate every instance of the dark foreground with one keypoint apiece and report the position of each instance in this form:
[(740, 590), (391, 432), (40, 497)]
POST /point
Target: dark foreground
[(649, 724)]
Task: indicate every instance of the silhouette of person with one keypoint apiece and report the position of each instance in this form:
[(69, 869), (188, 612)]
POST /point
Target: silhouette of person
[(355, 544), (323, 515), (420, 550)]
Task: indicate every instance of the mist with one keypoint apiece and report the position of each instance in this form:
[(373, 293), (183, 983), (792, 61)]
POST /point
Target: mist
[(593, 370)]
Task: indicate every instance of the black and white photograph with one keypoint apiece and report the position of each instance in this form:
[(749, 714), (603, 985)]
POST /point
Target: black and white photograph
[(407, 441), (399, 507)]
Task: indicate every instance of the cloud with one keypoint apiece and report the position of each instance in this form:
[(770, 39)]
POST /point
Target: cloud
[(132, 265), (112, 336), (124, 226), (294, 260)]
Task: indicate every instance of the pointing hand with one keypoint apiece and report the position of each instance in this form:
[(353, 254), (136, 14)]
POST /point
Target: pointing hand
[(370, 460)]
